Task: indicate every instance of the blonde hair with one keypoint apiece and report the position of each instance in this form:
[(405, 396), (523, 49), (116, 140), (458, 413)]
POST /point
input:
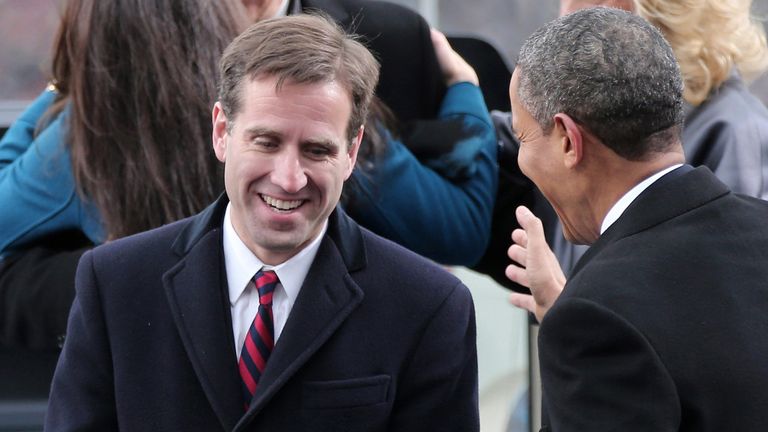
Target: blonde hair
[(709, 38)]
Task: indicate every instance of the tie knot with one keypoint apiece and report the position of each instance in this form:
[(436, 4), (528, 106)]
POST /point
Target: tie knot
[(265, 282)]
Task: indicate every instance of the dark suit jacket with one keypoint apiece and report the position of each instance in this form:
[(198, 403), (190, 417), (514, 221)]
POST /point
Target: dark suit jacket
[(663, 325), (410, 83), (379, 339)]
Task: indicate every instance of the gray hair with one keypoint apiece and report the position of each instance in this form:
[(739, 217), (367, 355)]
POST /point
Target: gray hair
[(612, 72), (300, 49)]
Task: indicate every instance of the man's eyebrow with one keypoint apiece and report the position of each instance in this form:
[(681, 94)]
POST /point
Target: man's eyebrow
[(322, 142), (261, 131)]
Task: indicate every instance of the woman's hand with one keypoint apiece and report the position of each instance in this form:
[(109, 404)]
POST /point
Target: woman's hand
[(455, 69)]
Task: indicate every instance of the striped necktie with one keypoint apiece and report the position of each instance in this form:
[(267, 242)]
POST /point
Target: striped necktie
[(260, 338)]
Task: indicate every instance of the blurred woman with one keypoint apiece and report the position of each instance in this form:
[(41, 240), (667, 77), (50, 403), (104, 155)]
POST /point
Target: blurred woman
[(719, 47), (118, 144)]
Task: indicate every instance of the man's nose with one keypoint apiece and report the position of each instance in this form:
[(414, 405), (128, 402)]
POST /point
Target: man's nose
[(288, 172)]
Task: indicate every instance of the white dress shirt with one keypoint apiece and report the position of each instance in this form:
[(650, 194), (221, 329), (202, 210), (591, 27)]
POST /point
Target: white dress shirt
[(242, 265), (621, 205)]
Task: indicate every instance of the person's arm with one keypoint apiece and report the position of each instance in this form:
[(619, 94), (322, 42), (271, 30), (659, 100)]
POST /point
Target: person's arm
[(443, 218), (82, 394), (20, 135), (439, 389), (37, 187), (600, 373), (453, 128)]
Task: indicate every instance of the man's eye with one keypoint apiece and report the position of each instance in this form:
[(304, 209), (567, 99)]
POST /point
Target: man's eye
[(318, 151), (266, 143)]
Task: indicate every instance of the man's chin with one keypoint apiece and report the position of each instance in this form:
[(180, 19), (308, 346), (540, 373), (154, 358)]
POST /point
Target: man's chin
[(576, 239)]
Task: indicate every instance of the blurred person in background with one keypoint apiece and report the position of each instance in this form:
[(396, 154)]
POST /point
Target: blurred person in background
[(118, 144)]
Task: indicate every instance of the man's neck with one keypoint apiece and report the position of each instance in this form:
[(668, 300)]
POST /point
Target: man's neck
[(616, 179)]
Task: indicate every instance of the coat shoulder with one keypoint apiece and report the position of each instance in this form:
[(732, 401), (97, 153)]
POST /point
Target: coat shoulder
[(403, 270), (142, 249)]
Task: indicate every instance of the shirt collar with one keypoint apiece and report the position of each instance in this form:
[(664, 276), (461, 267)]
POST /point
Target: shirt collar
[(242, 264), (621, 205)]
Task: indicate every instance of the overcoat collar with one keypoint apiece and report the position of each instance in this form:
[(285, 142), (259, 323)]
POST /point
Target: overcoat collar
[(677, 192), (200, 309)]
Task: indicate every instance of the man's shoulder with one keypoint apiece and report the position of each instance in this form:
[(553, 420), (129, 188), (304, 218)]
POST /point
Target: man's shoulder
[(379, 247), (716, 232), (143, 245), (386, 257)]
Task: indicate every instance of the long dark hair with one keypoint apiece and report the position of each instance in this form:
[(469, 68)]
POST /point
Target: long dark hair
[(379, 121), (140, 79)]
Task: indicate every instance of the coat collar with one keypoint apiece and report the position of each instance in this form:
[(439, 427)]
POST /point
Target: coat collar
[(200, 308), (675, 193)]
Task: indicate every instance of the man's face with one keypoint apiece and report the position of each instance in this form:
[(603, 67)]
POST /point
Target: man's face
[(568, 6), (537, 156), (286, 158), (541, 158)]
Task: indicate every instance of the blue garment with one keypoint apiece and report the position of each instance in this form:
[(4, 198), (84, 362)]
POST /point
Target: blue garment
[(442, 217), (37, 189)]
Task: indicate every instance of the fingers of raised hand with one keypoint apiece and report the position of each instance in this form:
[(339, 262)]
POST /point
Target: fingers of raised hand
[(517, 274), (520, 237), (523, 301), (518, 254), (530, 223)]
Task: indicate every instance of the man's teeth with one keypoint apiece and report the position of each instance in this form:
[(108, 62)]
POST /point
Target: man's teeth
[(280, 204)]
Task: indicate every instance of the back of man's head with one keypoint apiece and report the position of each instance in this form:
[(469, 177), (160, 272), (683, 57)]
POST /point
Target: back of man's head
[(609, 70), (299, 49)]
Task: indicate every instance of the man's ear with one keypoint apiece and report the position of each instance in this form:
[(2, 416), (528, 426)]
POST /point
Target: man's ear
[(354, 148), (572, 139), (219, 134)]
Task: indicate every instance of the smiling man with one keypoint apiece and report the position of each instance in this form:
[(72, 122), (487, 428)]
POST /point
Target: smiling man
[(271, 310), (661, 323)]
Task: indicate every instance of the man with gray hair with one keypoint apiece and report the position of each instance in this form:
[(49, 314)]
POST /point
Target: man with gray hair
[(271, 310), (661, 326)]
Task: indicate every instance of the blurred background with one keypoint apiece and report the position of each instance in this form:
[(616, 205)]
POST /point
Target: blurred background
[(26, 33)]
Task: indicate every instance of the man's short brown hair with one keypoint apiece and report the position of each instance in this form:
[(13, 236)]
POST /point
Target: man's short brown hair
[(300, 49)]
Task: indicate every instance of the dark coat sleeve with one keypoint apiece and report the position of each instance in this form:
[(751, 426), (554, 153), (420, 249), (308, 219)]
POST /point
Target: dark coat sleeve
[(439, 388), (599, 373)]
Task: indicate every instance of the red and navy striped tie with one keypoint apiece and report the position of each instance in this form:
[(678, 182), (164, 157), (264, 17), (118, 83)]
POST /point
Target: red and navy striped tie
[(260, 338)]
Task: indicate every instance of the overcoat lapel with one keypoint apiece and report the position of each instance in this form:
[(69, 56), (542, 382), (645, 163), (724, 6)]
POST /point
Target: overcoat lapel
[(200, 311), (328, 296)]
